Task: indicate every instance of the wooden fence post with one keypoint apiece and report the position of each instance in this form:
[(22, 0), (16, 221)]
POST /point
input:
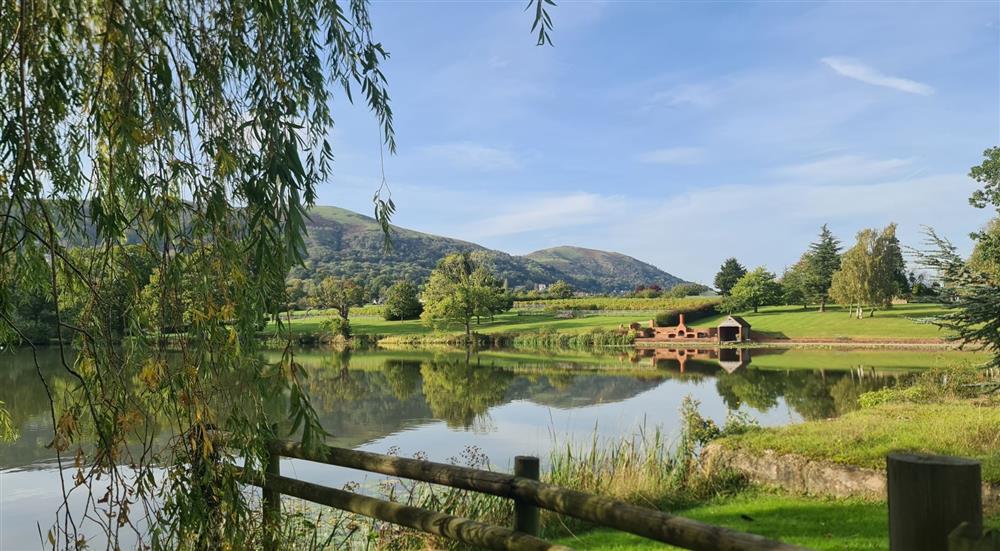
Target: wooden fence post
[(970, 538), (272, 504), (526, 516), (930, 496)]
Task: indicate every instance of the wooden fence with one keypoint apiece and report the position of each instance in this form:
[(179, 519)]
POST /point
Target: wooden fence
[(921, 489), (528, 493)]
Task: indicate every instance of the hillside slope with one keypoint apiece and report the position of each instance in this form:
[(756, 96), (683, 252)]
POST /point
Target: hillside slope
[(592, 268), (342, 242)]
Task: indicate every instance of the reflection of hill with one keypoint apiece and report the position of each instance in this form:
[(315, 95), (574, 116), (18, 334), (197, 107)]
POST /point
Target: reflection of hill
[(569, 391)]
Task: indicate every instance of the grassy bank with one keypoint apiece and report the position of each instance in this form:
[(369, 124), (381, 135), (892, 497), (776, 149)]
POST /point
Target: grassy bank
[(839, 359), (794, 322), (864, 437), (510, 322), (816, 523), (537, 325)]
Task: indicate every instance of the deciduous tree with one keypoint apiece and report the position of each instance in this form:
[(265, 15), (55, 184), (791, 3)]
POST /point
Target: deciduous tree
[(460, 288), (402, 302), (869, 272), (560, 289), (755, 289)]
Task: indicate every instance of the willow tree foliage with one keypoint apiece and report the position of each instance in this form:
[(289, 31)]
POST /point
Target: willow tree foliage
[(196, 133), (179, 143)]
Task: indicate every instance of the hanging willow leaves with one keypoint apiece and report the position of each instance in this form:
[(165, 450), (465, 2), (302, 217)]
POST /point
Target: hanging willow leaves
[(157, 160)]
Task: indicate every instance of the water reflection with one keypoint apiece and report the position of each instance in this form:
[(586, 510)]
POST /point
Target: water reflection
[(506, 403)]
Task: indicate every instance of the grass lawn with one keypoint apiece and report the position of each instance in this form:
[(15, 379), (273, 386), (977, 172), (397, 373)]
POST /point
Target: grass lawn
[(779, 321), (833, 359), (864, 437), (825, 524), (796, 322), (509, 322)]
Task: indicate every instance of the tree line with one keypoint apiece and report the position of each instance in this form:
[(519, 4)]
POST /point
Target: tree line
[(869, 275)]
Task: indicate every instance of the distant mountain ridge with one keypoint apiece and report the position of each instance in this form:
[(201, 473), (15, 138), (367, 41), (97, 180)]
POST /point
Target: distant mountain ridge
[(343, 242)]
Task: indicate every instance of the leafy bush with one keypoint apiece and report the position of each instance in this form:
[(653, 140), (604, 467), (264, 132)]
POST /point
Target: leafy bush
[(888, 395), (672, 317), (337, 326), (401, 302)]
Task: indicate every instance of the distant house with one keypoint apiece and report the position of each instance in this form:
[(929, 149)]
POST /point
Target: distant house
[(733, 329)]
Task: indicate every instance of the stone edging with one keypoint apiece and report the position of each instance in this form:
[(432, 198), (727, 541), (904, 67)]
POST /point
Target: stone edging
[(809, 476)]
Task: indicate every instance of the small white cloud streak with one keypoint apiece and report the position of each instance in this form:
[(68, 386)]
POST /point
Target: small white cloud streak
[(530, 214), (674, 156), (854, 69), (696, 95), (843, 169), (772, 225), (472, 156)]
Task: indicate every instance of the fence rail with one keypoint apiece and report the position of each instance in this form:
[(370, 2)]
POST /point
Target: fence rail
[(528, 494)]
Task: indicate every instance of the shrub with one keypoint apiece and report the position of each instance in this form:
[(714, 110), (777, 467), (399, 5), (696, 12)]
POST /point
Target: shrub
[(337, 327), (401, 302), (700, 311)]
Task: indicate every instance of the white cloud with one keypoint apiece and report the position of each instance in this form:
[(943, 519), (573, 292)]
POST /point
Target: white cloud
[(852, 68), (843, 169), (773, 224), (472, 156), (674, 156), (530, 214)]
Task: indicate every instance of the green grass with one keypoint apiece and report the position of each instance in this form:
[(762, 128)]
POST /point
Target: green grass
[(503, 323), (864, 437), (795, 322), (817, 523), (784, 321), (840, 359)]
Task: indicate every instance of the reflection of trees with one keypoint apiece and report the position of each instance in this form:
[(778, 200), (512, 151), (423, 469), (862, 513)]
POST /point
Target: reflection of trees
[(460, 393), (811, 394), (752, 387), (845, 392), (403, 377)]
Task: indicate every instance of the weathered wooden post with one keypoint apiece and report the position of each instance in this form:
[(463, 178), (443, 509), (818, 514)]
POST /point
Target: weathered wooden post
[(525, 515), (272, 503), (929, 496)]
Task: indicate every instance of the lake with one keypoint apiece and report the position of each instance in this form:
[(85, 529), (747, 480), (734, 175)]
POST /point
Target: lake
[(505, 403)]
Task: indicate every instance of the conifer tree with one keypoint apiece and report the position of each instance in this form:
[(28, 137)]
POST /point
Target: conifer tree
[(822, 260), (729, 273)]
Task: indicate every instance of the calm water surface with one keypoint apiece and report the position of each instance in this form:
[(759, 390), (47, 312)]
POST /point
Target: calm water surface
[(505, 403)]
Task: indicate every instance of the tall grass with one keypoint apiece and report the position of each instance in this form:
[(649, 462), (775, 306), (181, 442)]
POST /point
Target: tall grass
[(645, 468)]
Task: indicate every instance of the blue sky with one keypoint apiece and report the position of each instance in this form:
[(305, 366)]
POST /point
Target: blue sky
[(680, 133)]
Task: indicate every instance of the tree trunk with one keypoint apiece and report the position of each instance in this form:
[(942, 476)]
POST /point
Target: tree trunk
[(468, 331), (754, 308), (822, 305)]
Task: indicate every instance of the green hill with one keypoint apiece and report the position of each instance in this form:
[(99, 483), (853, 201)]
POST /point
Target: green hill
[(345, 243), (590, 268)]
